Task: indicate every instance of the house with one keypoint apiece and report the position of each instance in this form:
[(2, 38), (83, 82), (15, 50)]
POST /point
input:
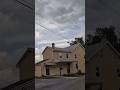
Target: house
[(20, 77), (26, 64), (102, 67), (60, 61)]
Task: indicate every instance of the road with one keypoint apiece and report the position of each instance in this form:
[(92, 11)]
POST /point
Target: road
[(60, 84)]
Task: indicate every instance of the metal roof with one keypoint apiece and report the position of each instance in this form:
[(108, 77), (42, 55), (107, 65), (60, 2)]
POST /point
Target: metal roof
[(68, 49)]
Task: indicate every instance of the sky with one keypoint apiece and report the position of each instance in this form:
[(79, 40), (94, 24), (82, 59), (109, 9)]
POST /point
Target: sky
[(16, 31), (63, 19), (101, 13)]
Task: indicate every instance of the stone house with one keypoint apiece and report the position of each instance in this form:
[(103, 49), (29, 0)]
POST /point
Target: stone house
[(60, 61)]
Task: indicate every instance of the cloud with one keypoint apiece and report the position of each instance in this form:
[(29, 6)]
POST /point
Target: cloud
[(63, 21), (61, 12), (16, 28), (100, 13)]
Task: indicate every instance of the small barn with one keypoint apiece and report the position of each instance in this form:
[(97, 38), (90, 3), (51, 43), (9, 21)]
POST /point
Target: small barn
[(26, 64)]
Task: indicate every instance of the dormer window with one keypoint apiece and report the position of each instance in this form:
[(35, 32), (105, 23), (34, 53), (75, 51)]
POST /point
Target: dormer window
[(67, 55)]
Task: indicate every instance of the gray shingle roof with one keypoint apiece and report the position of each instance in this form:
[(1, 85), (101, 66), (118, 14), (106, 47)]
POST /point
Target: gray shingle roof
[(68, 49)]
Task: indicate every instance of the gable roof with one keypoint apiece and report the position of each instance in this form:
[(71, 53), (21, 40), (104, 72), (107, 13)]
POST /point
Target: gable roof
[(91, 50), (41, 62), (68, 49), (29, 50)]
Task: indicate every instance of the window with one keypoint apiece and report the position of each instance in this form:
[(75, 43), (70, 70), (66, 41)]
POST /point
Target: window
[(75, 56), (118, 72), (76, 66), (61, 68), (60, 55), (67, 55), (100, 89), (97, 68), (97, 74), (97, 71)]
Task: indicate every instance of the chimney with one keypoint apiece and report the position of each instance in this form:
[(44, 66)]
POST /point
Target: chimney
[(53, 45)]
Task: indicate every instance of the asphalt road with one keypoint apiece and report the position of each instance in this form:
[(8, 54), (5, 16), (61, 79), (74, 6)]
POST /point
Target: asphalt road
[(60, 84)]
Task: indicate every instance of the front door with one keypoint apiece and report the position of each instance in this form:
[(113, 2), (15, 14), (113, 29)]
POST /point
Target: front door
[(47, 70), (68, 68)]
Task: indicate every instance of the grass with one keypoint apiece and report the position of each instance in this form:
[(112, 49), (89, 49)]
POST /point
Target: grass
[(78, 74), (48, 77)]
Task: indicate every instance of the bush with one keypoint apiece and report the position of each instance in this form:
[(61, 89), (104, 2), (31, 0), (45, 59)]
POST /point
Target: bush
[(79, 72)]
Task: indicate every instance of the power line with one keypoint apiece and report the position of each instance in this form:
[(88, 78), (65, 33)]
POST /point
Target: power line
[(27, 2), (25, 5), (37, 23), (52, 31)]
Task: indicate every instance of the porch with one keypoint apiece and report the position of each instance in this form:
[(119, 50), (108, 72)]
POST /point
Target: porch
[(58, 68)]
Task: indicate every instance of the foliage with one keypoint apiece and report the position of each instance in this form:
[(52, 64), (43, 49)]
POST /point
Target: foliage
[(78, 40), (107, 33)]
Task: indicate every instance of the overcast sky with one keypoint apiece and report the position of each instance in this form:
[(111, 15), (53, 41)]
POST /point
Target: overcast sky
[(16, 31), (100, 13), (65, 20)]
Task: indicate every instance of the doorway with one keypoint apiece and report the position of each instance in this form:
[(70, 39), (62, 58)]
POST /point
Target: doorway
[(47, 70), (68, 68)]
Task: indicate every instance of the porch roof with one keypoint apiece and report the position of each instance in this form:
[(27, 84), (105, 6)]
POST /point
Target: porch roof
[(65, 61), (58, 62), (50, 63)]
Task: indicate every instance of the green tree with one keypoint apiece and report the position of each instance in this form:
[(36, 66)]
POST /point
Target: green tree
[(107, 33), (78, 40)]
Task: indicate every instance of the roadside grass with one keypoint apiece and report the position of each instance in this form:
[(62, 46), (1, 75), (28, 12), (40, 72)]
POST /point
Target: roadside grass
[(48, 77), (78, 74), (62, 76)]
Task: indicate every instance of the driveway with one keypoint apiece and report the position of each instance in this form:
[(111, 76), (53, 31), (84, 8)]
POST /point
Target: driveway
[(70, 83)]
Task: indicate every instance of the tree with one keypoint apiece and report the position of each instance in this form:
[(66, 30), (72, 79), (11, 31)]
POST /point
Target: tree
[(107, 33), (78, 40)]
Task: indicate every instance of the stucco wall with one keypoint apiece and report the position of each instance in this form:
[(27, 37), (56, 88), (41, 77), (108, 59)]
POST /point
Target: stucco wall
[(27, 66), (38, 72), (108, 63)]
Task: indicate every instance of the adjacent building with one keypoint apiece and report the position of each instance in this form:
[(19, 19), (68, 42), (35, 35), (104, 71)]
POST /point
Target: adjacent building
[(61, 61), (102, 67), (26, 64)]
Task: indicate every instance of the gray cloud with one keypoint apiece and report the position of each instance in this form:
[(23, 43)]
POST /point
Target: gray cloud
[(65, 20), (60, 11), (16, 29), (102, 13)]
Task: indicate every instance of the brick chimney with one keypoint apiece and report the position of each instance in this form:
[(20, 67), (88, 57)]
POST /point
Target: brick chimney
[(53, 45)]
